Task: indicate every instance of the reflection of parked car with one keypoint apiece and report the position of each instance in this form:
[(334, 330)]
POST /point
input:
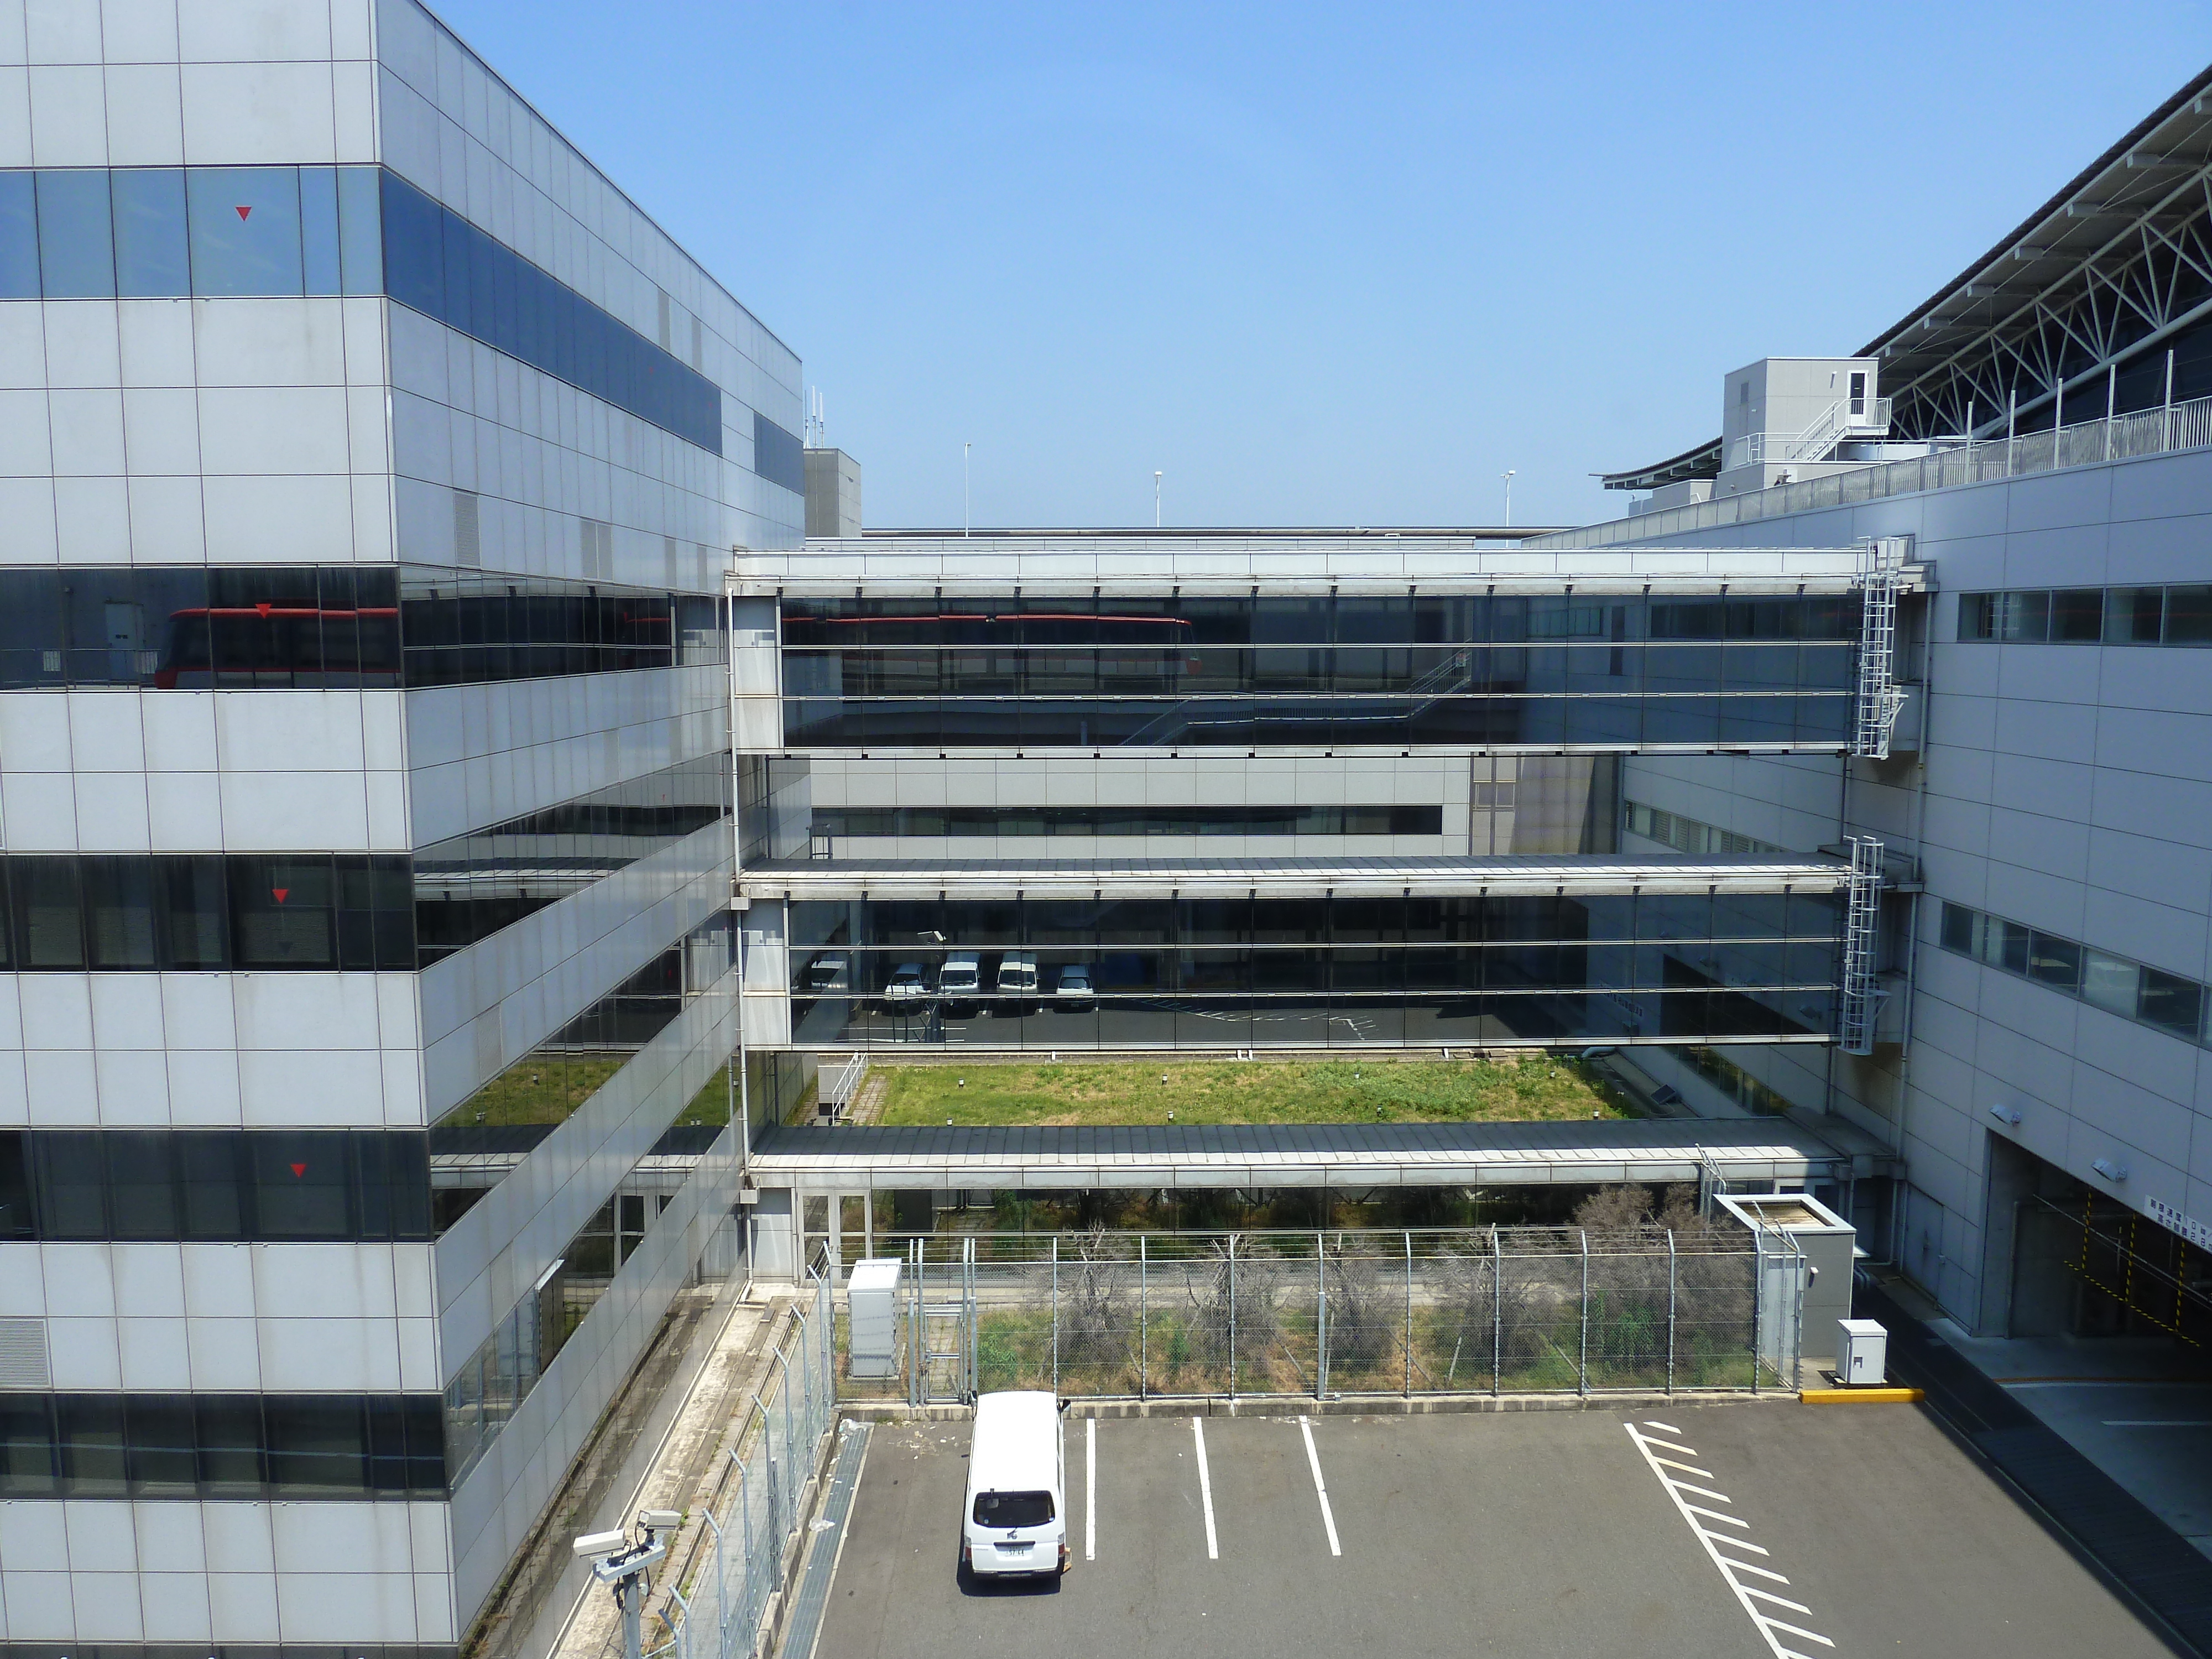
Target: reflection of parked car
[(826, 974), (1018, 978), (961, 979), (1074, 992), (909, 989)]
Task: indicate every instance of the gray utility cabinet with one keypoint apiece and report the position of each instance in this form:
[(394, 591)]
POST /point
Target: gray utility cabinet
[(871, 1290), (1830, 1245)]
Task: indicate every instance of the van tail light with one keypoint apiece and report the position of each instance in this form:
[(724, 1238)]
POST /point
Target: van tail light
[(1063, 1555), (968, 1555)]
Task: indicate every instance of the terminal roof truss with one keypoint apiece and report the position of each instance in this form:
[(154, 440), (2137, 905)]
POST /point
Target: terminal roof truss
[(2117, 262)]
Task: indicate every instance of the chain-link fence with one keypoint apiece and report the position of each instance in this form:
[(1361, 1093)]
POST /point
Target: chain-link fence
[(714, 1610), (1495, 1310)]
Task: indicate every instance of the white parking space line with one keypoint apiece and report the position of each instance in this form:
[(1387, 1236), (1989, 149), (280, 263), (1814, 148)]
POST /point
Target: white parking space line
[(1772, 1630), (1205, 1489), (1320, 1490), (1090, 1489)]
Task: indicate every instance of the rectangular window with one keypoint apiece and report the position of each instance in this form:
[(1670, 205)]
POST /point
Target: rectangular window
[(318, 230), (152, 252), (2054, 962), (48, 932), (76, 246), (2110, 983), (2171, 1003), (19, 235), (280, 912), (1977, 616), (245, 226), (2077, 615), (119, 906), (142, 1183), (2189, 616), (2024, 618), (2135, 616)]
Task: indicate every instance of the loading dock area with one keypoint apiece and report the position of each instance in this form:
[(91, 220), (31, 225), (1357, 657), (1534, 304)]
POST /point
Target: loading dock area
[(1755, 1530)]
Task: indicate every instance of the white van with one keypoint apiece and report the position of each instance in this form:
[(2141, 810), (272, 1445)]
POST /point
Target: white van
[(1015, 1521), (1017, 975), (961, 978)]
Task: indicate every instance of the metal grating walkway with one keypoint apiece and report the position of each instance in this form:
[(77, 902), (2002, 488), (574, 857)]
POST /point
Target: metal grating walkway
[(825, 1545)]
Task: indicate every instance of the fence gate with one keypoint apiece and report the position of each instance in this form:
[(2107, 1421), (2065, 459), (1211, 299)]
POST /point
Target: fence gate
[(1779, 1286), (940, 1326)]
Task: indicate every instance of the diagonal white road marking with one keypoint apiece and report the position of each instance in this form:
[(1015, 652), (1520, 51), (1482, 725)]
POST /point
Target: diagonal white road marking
[(1764, 1623), (1313, 1461)]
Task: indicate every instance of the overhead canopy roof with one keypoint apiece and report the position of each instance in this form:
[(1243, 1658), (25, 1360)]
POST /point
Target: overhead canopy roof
[(992, 878), (2114, 264)]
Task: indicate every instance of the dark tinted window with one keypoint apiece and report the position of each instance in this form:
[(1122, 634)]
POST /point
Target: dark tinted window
[(1013, 1509)]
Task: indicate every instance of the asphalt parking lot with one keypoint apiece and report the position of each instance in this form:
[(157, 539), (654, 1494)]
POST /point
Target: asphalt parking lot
[(1751, 1530)]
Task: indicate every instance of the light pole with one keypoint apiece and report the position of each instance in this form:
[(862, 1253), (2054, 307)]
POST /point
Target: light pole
[(624, 1564), (1156, 501), (1509, 498), (964, 448)]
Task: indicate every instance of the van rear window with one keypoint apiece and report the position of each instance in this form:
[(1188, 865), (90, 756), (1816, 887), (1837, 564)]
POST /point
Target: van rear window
[(1012, 1508)]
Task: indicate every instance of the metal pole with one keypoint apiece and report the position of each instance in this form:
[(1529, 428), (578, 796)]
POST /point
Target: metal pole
[(1232, 1317), (1056, 1313), (1321, 1318), (1670, 1310), (2111, 403), (1496, 1311), (1143, 1328), (630, 1595), (1757, 1295), (2012, 420), (2167, 427), (1409, 1315), (774, 1504), (1582, 1365)]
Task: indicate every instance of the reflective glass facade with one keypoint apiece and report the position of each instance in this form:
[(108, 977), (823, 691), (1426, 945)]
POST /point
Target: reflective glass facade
[(470, 886), (221, 1446), (390, 913), (1219, 973), (161, 233), (305, 627), (2089, 616), (1078, 672), (1134, 820), (216, 1186)]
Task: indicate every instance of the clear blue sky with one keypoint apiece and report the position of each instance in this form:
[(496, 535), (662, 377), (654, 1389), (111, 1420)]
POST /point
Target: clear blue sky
[(1320, 266)]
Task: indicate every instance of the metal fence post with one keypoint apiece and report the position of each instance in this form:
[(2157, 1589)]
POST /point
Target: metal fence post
[(1582, 1365), (1758, 1297), (1056, 1313), (1321, 1318), (1232, 1317), (1143, 1329), (1670, 1311), (1409, 1315), (1497, 1312), (775, 1498)]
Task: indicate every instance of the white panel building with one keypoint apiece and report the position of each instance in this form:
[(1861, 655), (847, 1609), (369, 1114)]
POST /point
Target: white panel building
[(369, 465)]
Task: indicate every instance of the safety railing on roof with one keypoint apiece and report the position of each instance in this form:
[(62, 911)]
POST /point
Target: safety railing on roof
[(2122, 437)]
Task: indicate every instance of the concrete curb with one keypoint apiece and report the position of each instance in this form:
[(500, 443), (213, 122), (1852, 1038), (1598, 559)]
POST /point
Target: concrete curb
[(1380, 1405)]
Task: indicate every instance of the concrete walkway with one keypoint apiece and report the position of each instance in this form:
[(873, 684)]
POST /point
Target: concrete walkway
[(685, 1471)]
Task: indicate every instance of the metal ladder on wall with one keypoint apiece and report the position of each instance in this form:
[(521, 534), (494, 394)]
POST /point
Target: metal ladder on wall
[(940, 1330), (1860, 995), (1882, 568)]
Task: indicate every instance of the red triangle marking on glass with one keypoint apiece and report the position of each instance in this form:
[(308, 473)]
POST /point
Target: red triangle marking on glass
[(279, 893), (243, 211), (262, 607), (299, 1170)]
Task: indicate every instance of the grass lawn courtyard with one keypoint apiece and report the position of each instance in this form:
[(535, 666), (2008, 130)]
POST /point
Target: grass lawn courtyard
[(1526, 1089)]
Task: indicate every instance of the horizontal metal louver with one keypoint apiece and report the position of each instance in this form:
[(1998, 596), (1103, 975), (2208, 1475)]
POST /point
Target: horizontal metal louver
[(23, 1363)]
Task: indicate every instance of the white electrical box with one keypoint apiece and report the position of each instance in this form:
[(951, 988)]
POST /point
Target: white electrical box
[(1862, 1352), (871, 1293)]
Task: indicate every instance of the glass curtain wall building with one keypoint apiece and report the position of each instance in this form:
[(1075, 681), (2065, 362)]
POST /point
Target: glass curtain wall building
[(1278, 791), (369, 469)]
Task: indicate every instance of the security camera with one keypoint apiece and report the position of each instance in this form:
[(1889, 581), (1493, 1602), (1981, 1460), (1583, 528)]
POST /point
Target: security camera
[(593, 1544), (660, 1520)]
